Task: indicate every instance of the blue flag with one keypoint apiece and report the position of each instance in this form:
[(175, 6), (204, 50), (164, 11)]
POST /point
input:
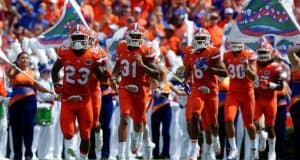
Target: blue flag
[(59, 33)]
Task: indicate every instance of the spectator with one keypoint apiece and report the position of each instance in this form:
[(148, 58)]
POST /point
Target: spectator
[(87, 11), (154, 28), (52, 11), (109, 19), (228, 17), (215, 31), (28, 18), (40, 20), (23, 106)]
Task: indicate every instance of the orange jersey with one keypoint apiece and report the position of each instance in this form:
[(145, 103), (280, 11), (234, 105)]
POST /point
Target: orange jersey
[(267, 73), (21, 79), (199, 77), (78, 70), (235, 66), (131, 72), (22, 86)]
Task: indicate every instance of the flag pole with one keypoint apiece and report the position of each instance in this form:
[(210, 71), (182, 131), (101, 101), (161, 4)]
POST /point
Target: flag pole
[(5, 59)]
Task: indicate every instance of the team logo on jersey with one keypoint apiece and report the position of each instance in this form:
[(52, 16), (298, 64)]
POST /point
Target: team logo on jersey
[(88, 62), (243, 59), (267, 73), (201, 63)]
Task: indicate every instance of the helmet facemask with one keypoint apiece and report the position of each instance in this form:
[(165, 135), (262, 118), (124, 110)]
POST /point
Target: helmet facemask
[(79, 42), (236, 46), (134, 38), (263, 55), (200, 41)]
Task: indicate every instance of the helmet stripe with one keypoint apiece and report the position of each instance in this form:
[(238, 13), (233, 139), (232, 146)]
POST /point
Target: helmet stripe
[(135, 26), (77, 28)]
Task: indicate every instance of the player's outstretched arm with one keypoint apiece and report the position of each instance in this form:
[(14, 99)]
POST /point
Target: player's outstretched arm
[(102, 72), (250, 69), (55, 76), (294, 55), (149, 67), (55, 71), (277, 84), (116, 71), (218, 69)]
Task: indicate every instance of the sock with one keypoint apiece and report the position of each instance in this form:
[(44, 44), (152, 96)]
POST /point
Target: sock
[(194, 143), (209, 148), (69, 143), (122, 149), (98, 139), (147, 139), (138, 136), (252, 143), (232, 143), (70, 147), (271, 143), (83, 156), (215, 138)]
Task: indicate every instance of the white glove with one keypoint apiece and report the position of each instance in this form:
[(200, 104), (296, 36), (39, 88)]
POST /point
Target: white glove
[(204, 89), (272, 85), (157, 92)]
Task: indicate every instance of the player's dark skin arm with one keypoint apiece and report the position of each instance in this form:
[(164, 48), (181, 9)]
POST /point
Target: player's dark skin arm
[(149, 67), (102, 72), (218, 68), (187, 74), (116, 71), (279, 83), (152, 70), (251, 70), (55, 70), (294, 57)]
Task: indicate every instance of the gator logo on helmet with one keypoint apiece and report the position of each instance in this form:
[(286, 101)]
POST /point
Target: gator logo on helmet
[(265, 17)]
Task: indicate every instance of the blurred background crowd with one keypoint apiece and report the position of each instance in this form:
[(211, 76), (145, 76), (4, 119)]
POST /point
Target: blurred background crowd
[(162, 18)]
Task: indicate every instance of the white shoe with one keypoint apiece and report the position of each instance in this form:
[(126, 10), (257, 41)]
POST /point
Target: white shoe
[(135, 144), (72, 154), (210, 156), (254, 154), (272, 155), (148, 149), (263, 140), (233, 154), (112, 158), (99, 140), (216, 146), (195, 153)]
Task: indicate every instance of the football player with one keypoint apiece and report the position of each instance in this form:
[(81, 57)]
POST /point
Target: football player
[(241, 66), (294, 57), (80, 62), (202, 66), (269, 79), (136, 66), (95, 90)]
